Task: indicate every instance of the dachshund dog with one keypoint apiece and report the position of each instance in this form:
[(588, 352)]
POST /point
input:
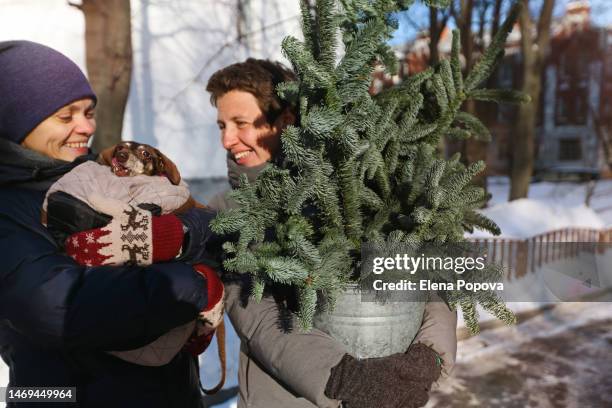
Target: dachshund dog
[(127, 159)]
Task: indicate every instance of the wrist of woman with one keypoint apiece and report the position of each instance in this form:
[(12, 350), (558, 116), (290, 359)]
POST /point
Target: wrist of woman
[(168, 237), (196, 234)]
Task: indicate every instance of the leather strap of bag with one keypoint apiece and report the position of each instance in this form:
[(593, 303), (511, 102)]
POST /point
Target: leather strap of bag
[(220, 333)]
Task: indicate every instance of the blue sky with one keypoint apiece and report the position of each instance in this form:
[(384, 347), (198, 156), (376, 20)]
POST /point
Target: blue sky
[(601, 11)]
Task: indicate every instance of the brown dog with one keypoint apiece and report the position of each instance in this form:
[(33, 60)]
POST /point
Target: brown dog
[(127, 159)]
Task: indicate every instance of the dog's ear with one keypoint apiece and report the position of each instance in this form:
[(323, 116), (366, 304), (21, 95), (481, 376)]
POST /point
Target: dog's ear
[(168, 167), (105, 157)]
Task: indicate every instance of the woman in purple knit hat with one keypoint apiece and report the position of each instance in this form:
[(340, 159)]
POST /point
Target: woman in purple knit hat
[(58, 318)]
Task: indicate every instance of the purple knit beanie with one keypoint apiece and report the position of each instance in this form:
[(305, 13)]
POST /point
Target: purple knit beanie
[(35, 81)]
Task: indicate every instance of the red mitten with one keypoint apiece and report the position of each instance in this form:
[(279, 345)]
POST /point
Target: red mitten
[(196, 345), (133, 236), (212, 316)]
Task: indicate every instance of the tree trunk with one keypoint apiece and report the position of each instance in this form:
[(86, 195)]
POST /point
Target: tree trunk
[(434, 37), (108, 43), (534, 55), (474, 150), (437, 24), (467, 38), (483, 8), (471, 150), (524, 138), (496, 17)]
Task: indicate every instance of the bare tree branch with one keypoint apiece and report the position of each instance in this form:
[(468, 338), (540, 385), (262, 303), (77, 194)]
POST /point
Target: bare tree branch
[(405, 16), (75, 5), (219, 51), (483, 8)]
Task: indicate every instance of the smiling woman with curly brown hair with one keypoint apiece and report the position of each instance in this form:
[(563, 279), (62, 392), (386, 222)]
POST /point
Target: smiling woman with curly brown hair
[(294, 369)]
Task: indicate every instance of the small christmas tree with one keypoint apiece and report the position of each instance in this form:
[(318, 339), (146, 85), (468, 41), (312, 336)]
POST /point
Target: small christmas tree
[(360, 168)]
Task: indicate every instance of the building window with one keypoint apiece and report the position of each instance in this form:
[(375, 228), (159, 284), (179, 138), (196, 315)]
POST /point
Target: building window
[(608, 71), (503, 150), (561, 111), (506, 74), (570, 149), (580, 107), (572, 88), (562, 71), (571, 107)]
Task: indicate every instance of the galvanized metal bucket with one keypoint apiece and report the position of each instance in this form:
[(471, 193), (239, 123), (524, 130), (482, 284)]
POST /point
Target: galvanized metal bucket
[(373, 329)]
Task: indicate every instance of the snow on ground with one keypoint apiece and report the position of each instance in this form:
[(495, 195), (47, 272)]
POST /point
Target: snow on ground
[(527, 217), (559, 358), (550, 206)]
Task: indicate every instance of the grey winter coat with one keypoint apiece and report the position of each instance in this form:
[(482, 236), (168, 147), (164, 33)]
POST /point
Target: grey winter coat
[(280, 369)]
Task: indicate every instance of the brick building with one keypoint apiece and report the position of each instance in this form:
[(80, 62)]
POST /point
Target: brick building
[(575, 120)]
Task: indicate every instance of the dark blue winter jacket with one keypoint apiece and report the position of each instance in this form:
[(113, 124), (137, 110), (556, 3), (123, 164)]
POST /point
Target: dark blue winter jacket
[(57, 318)]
